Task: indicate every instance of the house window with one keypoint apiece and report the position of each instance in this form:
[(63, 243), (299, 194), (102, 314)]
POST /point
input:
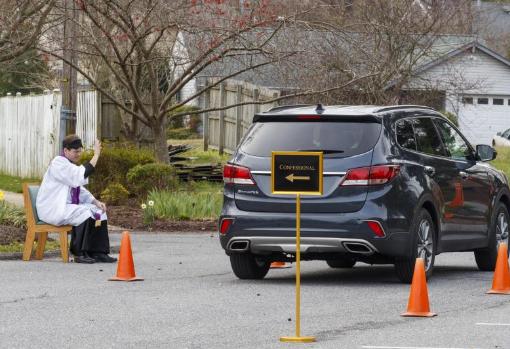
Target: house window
[(483, 100), (498, 101), (467, 100)]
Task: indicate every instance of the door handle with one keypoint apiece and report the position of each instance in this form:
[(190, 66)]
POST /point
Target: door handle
[(430, 171), (464, 175)]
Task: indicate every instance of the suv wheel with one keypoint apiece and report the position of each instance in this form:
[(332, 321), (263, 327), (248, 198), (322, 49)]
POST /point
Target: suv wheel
[(246, 266), (486, 257), (344, 262), (423, 245)]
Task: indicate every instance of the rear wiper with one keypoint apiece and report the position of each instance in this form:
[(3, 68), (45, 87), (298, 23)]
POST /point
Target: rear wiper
[(325, 151)]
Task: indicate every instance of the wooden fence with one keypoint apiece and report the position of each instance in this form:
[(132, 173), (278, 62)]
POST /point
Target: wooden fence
[(29, 130), (224, 129)]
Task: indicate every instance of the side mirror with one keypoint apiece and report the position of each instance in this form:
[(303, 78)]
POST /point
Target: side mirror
[(485, 152), (499, 133)]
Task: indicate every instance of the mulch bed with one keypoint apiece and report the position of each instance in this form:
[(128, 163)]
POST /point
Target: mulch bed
[(126, 217), (10, 234), (131, 217)]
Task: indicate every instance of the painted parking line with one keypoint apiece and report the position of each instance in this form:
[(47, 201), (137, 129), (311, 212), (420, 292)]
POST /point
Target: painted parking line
[(383, 347), (491, 324)]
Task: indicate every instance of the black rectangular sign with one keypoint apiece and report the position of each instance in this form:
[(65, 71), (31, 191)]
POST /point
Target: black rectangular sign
[(296, 173)]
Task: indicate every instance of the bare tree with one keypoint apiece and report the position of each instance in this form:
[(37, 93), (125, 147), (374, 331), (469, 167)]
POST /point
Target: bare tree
[(140, 54), (21, 23), (389, 40)]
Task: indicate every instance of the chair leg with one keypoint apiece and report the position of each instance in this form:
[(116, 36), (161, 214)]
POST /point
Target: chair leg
[(29, 244), (41, 244), (64, 247)]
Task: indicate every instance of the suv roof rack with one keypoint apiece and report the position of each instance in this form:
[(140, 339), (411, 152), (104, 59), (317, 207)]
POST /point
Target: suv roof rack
[(397, 107), (283, 107)]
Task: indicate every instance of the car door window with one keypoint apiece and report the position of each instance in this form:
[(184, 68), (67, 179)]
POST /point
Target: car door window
[(405, 134), (428, 140), (506, 134), (455, 145)]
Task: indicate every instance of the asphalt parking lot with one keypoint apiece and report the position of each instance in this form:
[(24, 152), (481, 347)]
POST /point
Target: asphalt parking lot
[(191, 299)]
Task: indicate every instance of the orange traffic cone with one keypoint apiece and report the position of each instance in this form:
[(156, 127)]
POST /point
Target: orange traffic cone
[(501, 281), (279, 265), (419, 298), (125, 266)]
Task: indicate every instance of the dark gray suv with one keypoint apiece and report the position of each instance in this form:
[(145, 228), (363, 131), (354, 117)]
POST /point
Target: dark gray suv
[(399, 182)]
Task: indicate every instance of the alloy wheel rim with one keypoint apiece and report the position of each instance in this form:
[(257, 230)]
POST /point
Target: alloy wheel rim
[(502, 229), (425, 243)]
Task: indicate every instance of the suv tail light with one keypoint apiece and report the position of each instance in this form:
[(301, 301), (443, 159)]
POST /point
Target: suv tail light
[(376, 227), (237, 174), (373, 175), (225, 224)]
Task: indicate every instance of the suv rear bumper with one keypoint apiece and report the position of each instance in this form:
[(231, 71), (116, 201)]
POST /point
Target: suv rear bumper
[(343, 233), (261, 245)]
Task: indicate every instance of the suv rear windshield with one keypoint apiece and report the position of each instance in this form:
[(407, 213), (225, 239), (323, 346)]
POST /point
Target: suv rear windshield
[(336, 139)]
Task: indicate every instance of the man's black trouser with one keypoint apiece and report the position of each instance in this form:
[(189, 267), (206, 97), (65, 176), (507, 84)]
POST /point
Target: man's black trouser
[(86, 237)]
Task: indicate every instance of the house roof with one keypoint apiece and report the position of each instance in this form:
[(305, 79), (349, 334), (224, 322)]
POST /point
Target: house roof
[(308, 46), (492, 18), (290, 46), (472, 46)]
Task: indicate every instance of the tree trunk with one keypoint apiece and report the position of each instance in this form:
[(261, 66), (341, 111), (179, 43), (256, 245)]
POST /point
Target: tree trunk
[(160, 146)]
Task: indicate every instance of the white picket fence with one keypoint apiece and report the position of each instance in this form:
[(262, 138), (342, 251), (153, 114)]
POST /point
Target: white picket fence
[(29, 130)]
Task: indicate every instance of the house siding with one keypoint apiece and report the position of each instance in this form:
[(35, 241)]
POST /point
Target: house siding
[(180, 55), (469, 73), (475, 74)]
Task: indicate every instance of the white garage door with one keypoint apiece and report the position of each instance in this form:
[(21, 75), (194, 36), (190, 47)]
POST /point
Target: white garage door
[(481, 117)]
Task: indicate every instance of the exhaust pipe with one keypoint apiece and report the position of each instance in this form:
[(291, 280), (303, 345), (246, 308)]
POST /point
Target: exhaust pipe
[(239, 245), (358, 247)]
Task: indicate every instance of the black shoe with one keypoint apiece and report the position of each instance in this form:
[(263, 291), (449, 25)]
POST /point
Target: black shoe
[(84, 259), (103, 258)]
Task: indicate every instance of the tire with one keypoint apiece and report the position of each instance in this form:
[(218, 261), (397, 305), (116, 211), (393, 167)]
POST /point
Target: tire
[(245, 266), (486, 257), (423, 235), (344, 262)]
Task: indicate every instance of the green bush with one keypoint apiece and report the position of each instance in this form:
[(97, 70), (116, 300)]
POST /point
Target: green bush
[(12, 215), (452, 117), (143, 178), (114, 194), (178, 122), (176, 128), (113, 164), (185, 205)]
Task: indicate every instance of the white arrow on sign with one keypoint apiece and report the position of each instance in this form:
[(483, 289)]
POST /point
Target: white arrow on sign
[(292, 178)]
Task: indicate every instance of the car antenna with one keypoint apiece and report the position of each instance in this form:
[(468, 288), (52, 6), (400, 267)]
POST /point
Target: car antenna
[(319, 109)]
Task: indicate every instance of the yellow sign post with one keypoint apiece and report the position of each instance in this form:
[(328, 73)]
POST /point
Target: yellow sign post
[(297, 173)]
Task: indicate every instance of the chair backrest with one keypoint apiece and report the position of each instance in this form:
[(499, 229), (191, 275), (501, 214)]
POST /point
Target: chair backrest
[(30, 195)]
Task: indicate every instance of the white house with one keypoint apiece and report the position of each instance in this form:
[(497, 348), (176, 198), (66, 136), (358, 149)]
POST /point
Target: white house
[(476, 84)]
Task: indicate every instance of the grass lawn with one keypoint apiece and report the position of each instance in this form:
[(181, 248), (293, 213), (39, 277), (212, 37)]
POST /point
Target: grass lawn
[(18, 247), (13, 184), (502, 161)]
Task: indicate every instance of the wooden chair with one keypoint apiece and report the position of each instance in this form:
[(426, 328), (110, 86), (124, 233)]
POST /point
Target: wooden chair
[(37, 227)]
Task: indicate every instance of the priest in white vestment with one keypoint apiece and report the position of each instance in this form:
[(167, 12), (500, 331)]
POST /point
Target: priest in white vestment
[(63, 200)]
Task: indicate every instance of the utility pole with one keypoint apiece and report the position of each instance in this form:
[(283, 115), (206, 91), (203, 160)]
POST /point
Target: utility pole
[(69, 74)]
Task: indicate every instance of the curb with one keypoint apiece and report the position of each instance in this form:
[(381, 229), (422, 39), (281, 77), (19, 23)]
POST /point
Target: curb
[(47, 254)]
